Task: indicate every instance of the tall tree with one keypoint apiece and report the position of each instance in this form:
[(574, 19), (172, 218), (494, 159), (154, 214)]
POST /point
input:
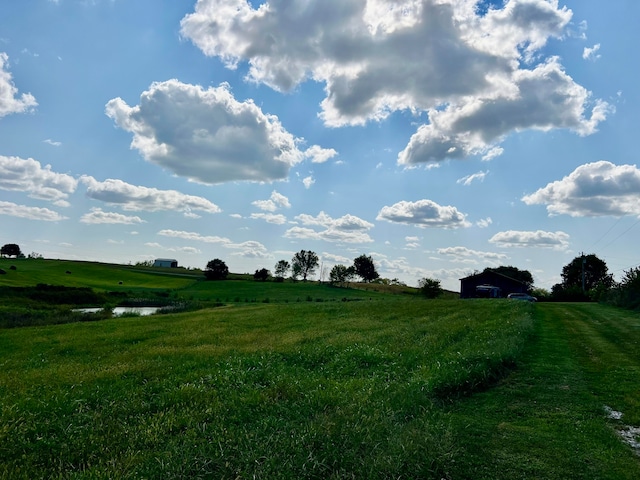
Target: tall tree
[(365, 268), (281, 269), (304, 263), (341, 274), (10, 250), (586, 272), (216, 270)]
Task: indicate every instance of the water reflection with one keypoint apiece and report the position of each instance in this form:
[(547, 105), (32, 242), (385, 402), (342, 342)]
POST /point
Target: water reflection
[(117, 311)]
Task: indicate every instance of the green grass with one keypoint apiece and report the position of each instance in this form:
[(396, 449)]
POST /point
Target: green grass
[(307, 385), (101, 276), (309, 390)]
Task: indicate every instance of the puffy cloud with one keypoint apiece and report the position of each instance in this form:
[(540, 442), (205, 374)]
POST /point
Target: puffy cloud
[(270, 218), (591, 53), (250, 249), (31, 213), (347, 222), (467, 255), (484, 223), (542, 99), (206, 135), (539, 238), (318, 154), (591, 190), (308, 181), (98, 216), (475, 73), (423, 213), (346, 229), (10, 102), (27, 175), (53, 143), (277, 200), (137, 198)]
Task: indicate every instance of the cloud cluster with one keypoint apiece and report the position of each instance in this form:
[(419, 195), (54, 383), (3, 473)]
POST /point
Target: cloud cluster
[(467, 255), (28, 175), (539, 238), (477, 76), (249, 249), (31, 213), (98, 216), (424, 213), (592, 190), (139, 198), (346, 229), (276, 201), (206, 135), (10, 101)]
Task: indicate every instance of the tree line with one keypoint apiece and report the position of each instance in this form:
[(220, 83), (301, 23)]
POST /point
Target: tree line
[(303, 265)]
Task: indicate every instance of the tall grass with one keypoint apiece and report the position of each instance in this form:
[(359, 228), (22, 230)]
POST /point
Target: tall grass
[(297, 390)]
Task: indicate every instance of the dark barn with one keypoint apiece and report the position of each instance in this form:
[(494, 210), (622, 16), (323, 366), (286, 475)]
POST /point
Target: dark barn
[(490, 284)]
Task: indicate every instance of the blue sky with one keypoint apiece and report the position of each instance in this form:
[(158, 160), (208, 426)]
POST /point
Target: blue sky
[(438, 136)]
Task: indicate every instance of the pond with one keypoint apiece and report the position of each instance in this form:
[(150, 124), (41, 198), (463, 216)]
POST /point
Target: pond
[(117, 311)]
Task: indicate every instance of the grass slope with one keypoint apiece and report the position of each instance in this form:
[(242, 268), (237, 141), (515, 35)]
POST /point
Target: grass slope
[(299, 390)]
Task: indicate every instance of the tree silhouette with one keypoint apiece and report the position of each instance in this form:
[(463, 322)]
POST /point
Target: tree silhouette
[(304, 263), (365, 268), (216, 270), (10, 250)]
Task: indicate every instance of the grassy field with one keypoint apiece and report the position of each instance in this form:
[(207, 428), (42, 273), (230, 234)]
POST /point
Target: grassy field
[(310, 386)]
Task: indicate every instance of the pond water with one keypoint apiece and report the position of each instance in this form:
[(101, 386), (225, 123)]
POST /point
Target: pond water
[(117, 311)]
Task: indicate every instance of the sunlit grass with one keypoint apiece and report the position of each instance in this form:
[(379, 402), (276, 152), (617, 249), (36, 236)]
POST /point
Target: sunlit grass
[(309, 390)]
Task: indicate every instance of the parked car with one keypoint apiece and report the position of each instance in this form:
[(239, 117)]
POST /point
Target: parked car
[(522, 296)]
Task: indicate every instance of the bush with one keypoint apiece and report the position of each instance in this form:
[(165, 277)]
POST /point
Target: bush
[(430, 288)]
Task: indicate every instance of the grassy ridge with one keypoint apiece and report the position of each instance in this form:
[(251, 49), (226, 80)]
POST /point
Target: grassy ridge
[(101, 276), (305, 390)]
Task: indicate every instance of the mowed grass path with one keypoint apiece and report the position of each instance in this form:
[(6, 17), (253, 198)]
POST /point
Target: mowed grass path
[(388, 388), (549, 419)]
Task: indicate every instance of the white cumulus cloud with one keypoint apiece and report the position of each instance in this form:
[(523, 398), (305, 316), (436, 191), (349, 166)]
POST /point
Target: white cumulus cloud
[(10, 100), (206, 135), (28, 175), (31, 213), (276, 201), (346, 229), (423, 213), (539, 238), (98, 216), (479, 77), (137, 198), (591, 190)]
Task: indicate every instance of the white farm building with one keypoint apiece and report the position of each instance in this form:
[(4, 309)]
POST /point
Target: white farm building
[(165, 262)]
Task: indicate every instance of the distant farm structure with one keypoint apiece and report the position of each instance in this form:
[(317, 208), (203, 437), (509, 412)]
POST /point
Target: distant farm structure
[(165, 262), (490, 284)]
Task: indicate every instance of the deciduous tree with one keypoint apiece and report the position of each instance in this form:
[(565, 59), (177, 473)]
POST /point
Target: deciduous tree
[(304, 264), (281, 269), (341, 275), (262, 275), (216, 270), (10, 250), (365, 268)]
